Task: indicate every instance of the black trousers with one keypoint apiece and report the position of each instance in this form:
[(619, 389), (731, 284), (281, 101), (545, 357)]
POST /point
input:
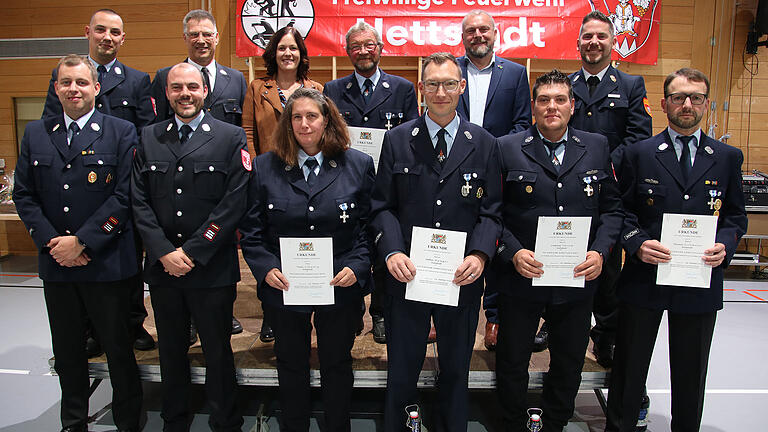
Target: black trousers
[(407, 325), (336, 328), (379, 292), (211, 309), (107, 304), (690, 339), (606, 304), (568, 338)]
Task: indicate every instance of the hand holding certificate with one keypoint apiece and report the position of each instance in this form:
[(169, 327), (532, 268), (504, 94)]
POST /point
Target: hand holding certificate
[(561, 245), (688, 238), (436, 254), (307, 263)]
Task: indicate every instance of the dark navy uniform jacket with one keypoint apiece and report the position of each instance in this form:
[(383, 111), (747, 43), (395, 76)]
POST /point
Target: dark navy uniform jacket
[(124, 94), (226, 104), (193, 196), (616, 110), (533, 188), (652, 185), (508, 104), (82, 190), (282, 205), (413, 190), (393, 95)]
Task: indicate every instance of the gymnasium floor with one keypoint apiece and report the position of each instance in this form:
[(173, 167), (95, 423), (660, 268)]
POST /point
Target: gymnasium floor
[(737, 390)]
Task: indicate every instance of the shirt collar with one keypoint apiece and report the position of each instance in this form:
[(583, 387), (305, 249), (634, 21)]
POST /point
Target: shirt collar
[(599, 75), (81, 122), (211, 66), (490, 65), (193, 124), (303, 156), (374, 78), (562, 138), (673, 135), (107, 66), (451, 128)]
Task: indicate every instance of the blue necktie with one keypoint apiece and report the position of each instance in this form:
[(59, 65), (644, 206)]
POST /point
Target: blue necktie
[(311, 163)]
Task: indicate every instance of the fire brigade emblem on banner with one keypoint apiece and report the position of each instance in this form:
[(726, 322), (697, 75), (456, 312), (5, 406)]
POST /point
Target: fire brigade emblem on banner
[(262, 18), (632, 21)]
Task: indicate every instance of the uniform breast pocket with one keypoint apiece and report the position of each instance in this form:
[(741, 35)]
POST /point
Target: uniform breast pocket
[(154, 172), (275, 210), (651, 198), (233, 112), (210, 179), (123, 106), (101, 170), (42, 172), (519, 187), (591, 182), (407, 178)]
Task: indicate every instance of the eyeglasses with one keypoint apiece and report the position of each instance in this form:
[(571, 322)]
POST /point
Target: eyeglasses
[(450, 86), (195, 35), (679, 98), (370, 46)]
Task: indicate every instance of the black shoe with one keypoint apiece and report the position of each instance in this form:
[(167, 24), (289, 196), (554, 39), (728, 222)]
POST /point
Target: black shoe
[(541, 340), (192, 334), (78, 428), (93, 348), (603, 354), (237, 328), (379, 333), (266, 334), (143, 341)]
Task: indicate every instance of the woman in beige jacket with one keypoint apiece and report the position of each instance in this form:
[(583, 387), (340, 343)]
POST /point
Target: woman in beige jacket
[(287, 63)]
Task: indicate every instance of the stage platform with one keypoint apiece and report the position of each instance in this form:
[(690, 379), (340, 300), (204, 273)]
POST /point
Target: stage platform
[(255, 360)]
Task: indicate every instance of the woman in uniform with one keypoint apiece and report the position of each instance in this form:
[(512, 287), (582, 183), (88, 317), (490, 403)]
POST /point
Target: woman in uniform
[(311, 185)]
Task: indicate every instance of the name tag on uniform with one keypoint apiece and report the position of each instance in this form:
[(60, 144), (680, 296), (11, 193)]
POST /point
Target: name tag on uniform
[(614, 95)]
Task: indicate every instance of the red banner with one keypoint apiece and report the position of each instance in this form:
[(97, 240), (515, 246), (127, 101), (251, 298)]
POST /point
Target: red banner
[(527, 28)]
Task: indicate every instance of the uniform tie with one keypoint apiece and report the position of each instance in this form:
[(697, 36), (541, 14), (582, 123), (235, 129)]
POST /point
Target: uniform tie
[(592, 83), (552, 146), (207, 79), (186, 130), (367, 90), (685, 156), (311, 163), (441, 149), (102, 73), (74, 130)]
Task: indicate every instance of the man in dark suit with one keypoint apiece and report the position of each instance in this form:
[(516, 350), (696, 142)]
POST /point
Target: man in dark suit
[(498, 99), (549, 170), (683, 171), (614, 104), (72, 191), (124, 93), (190, 176), (440, 172), (226, 86), (374, 99)]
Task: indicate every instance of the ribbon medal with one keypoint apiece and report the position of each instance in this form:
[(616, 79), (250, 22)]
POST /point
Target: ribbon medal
[(344, 216), (465, 189), (389, 123), (588, 189)]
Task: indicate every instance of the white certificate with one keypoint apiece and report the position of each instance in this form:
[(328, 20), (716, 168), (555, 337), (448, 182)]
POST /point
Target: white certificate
[(686, 237), (368, 141), (561, 245), (308, 265), (436, 254)]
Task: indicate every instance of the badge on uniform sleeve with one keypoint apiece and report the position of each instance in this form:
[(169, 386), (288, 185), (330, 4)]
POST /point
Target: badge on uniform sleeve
[(92, 177), (246, 159), (211, 231), (647, 105), (110, 224)]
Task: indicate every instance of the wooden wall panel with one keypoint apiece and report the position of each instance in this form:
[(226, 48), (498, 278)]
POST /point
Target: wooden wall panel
[(153, 29)]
